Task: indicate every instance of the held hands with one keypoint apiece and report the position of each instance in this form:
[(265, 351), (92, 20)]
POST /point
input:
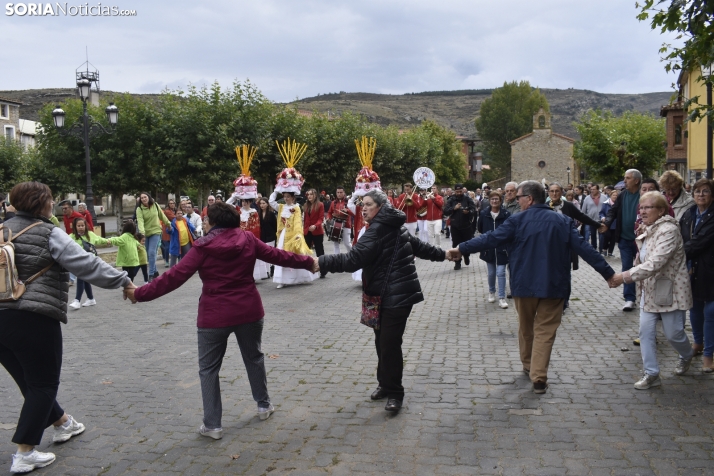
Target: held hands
[(453, 254), (129, 293), (603, 228), (616, 280), (315, 265)]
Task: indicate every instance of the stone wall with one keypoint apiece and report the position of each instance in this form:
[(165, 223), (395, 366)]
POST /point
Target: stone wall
[(543, 148)]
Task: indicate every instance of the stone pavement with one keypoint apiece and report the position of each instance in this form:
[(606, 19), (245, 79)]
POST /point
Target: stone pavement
[(130, 375)]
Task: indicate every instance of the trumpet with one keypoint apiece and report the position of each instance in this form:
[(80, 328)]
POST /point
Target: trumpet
[(408, 202), (429, 195)]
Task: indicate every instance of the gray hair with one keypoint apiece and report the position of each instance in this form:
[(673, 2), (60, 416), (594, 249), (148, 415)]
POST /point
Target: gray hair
[(533, 189), (379, 197), (515, 184), (556, 183), (636, 174), (82, 204)]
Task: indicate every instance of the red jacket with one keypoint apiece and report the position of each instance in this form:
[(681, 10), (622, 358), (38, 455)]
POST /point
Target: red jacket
[(340, 205), (68, 220), (434, 207), (170, 215), (315, 218), (224, 259), (409, 210), (88, 218), (359, 223)]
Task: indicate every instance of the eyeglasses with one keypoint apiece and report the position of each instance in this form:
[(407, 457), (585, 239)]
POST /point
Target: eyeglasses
[(704, 191)]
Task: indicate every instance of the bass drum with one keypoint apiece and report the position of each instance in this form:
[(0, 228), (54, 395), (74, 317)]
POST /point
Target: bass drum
[(333, 230)]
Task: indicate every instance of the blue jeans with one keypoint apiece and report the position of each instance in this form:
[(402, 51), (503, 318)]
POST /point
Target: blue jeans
[(701, 315), (152, 242), (499, 271), (83, 286), (628, 250), (591, 234), (673, 327)]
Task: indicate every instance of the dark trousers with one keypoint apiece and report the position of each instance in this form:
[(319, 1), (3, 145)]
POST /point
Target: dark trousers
[(131, 271), (212, 344), (145, 271), (607, 242), (459, 236), (83, 286), (316, 240), (388, 341), (165, 250), (31, 352)]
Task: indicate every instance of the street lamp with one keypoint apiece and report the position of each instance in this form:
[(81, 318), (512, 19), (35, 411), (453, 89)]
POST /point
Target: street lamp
[(568, 170), (706, 74), (86, 127)]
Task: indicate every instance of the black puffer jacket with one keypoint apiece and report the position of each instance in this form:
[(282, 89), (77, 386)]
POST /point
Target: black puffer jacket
[(486, 223), (699, 247), (373, 253)]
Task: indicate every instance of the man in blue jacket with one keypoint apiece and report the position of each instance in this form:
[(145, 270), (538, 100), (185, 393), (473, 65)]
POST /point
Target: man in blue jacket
[(539, 243)]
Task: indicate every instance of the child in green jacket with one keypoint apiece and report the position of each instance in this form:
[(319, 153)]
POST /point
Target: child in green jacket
[(128, 254), (143, 258), (88, 241)]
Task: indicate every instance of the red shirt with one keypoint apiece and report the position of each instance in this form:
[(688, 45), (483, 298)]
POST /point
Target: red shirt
[(315, 218), (340, 205), (88, 218), (434, 208), (68, 220), (170, 215), (359, 223), (409, 210)]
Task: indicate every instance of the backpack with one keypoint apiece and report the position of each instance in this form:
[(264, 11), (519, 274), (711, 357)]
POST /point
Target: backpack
[(11, 287)]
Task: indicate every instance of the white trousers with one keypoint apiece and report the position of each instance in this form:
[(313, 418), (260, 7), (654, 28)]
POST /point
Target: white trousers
[(411, 227), (345, 241), (423, 234), (433, 228)]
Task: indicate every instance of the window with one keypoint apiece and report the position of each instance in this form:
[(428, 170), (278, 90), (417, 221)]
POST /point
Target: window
[(9, 132), (4, 111), (541, 122), (677, 120)]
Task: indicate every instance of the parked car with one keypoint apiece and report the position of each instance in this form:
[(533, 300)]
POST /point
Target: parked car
[(99, 210)]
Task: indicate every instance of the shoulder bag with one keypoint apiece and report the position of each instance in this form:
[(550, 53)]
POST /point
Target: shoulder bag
[(372, 305)]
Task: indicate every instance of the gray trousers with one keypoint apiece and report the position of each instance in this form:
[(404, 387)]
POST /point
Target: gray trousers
[(212, 345)]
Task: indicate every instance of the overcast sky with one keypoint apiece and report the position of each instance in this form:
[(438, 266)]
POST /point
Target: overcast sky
[(299, 48)]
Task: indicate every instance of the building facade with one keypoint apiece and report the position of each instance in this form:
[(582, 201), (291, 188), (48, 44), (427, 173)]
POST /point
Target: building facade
[(9, 118), (543, 155), (676, 149), (694, 132)]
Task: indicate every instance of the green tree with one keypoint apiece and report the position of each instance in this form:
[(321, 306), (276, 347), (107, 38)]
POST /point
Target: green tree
[(691, 22), (610, 145), (13, 168), (507, 115), (451, 163)]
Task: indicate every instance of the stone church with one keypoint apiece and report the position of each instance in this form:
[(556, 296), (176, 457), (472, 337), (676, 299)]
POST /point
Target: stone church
[(543, 154)]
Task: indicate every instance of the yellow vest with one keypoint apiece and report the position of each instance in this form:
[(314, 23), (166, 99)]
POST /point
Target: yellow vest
[(294, 236)]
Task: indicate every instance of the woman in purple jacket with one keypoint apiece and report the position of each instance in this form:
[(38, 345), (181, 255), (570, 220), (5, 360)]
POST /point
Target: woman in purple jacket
[(229, 304)]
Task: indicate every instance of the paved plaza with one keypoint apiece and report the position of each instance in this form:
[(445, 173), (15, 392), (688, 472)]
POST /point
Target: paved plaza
[(130, 375)]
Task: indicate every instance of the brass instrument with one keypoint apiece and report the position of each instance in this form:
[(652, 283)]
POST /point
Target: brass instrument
[(358, 202), (421, 211), (408, 202)]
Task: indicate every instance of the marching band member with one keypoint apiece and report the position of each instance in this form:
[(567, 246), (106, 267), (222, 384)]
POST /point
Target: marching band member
[(340, 211), (434, 214), (421, 218), (409, 202), (290, 229), (314, 212)]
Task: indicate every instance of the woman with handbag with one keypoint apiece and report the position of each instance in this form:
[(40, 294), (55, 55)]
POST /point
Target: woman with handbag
[(390, 286), (149, 217), (89, 242), (662, 279), (30, 324)]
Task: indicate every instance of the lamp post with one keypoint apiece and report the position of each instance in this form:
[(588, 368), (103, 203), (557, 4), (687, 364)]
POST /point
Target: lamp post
[(706, 74), (86, 127), (568, 170)]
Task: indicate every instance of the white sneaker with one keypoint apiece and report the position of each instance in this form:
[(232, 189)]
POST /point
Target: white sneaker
[(629, 306), (68, 430), (503, 304), (280, 286), (264, 413), (89, 302), (491, 297), (215, 433), (26, 463), (75, 304), (648, 381)]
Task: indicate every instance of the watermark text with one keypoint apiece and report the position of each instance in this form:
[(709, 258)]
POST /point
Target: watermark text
[(65, 9)]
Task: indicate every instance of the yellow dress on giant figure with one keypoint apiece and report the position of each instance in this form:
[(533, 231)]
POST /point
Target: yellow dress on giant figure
[(294, 237)]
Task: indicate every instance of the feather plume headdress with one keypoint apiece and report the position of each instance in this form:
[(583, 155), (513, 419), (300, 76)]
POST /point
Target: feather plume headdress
[(367, 179), (246, 186), (289, 179)]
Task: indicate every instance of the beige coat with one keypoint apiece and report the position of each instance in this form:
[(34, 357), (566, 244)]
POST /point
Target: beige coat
[(665, 257)]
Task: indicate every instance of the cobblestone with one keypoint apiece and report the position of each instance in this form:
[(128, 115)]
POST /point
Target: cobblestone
[(130, 375)]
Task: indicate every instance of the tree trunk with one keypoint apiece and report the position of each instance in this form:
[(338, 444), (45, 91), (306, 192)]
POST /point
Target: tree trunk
[(118, 209)]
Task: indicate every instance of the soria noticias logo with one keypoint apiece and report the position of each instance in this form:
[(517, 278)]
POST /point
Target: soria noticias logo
[(65, 9)]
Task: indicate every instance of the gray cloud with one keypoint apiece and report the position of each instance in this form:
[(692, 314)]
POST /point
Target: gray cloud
[(300, 48)]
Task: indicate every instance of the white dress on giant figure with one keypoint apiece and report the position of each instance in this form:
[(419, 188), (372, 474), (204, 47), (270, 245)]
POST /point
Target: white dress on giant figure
[(289, 275), (357, 275)]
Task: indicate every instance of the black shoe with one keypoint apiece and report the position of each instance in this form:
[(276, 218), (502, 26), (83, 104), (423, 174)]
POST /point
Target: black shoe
[(508, 296), (467, 261), (393, 405), (322, 276), (539, 387), (379, 394), (457, 266), (156, 275)]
